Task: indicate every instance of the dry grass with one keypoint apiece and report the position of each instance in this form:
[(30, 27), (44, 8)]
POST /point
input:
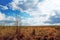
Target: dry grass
[(30, 33)]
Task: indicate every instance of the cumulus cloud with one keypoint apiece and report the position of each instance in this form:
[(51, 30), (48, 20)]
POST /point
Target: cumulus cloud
[(22, 5), (43, 11), (3, 7), (2, 16), (55, 19), (6, 21)]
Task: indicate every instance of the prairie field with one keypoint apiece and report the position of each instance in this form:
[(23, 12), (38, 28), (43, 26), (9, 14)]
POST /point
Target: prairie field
[(29, 32)]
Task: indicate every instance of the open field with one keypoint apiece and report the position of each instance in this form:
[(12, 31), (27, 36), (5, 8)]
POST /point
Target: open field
[(30, 33)]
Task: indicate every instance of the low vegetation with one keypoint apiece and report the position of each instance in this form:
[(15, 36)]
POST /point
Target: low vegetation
[(29, 33)]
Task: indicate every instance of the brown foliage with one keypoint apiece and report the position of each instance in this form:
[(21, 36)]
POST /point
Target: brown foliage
[(30, 33)]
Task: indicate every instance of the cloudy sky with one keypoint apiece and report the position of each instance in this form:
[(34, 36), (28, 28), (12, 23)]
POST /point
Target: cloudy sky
[(29, 12)]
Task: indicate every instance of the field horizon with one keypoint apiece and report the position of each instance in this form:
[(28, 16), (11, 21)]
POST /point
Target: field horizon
[(29, 32)]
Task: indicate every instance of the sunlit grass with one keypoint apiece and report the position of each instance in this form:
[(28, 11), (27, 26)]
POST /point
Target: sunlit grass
[(29, 30)]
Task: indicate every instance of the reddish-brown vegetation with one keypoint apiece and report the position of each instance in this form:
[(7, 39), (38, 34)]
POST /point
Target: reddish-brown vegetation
[(30, 33)]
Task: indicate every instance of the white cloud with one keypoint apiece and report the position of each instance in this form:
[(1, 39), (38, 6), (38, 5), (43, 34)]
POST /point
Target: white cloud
[(43, 13), (3, 18), (15, 5), (33, 21), (50, 5), (4, 7), (11, 18), (45, 5)]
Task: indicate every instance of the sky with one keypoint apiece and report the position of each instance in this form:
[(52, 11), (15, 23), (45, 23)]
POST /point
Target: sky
[(29, 12)]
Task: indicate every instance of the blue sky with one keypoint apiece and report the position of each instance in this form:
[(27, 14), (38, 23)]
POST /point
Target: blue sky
[(29, 12), (4, 2)]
